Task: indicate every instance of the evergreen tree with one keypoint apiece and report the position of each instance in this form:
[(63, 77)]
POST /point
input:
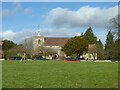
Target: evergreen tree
[(76, 45), (90, 37), (7, 44), (82, 34), (100, 51), (109, 46), (115, 51)]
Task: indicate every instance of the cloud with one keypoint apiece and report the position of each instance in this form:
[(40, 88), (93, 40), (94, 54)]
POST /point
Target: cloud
[(7, 12), (27, 10), (83, 17), (57, 32), (18, 6), (17, 37), (78, 34)]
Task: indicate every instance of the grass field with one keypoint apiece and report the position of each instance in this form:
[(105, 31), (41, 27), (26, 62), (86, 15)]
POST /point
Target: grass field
[(59, 74)]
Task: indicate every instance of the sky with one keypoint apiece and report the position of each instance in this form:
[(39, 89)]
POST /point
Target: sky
[(56, 19)]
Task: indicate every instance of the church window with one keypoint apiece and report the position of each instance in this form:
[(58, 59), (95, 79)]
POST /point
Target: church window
[(39, 42)]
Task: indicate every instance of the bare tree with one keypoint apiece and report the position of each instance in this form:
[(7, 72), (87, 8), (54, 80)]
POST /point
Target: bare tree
[(115, 22), (44, 51), (20, 49), (115, 25), (28, 43)]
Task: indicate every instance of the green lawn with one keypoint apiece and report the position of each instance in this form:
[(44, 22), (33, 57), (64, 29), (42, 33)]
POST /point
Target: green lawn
[(59, 74)]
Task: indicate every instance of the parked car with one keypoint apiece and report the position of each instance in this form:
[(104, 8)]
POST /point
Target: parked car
[(39, 58), (14, 58), (71, 59)]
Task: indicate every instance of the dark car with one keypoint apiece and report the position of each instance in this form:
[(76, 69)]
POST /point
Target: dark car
[(39, 58), (71, 59), (14, 58)]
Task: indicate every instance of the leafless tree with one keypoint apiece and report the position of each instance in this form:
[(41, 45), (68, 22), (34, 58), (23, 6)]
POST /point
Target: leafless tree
[(18, 49), (44, 51), (115, 25), (28, 43), (115, 22)]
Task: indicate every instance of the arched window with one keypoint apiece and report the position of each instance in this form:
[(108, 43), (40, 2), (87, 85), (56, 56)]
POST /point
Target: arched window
[(39, 42)]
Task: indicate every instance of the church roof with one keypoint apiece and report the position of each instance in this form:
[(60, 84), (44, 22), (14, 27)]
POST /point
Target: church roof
[(55, 41)]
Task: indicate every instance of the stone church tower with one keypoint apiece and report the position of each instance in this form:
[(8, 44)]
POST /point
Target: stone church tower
[(37, 41)]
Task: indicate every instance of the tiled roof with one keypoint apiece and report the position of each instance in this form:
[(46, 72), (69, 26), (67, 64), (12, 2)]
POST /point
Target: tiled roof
[(55, 41), (91, 46), (1, 43)]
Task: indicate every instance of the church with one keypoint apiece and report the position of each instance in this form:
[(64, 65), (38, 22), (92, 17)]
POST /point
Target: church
[(56, 43)]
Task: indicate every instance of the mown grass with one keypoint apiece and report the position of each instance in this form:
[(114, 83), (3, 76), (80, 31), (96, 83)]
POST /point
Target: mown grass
[(59, 74)]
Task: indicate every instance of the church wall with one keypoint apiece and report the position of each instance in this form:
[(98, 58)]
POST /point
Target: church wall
[(54, 47), (35, 41), (59, 52)]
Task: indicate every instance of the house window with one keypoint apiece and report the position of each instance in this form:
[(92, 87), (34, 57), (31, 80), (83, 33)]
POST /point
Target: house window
[(39, 42)]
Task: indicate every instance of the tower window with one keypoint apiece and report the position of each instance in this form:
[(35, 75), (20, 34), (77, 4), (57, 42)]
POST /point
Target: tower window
[(39, 42)]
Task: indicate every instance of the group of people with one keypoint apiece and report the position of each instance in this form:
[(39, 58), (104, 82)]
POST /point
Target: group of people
[(55, 56)]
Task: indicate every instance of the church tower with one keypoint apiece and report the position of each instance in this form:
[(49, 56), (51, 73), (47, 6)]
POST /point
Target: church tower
[(38, 40)]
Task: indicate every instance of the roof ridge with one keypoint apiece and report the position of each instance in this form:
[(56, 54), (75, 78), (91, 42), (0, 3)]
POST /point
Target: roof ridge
[(58, 37)]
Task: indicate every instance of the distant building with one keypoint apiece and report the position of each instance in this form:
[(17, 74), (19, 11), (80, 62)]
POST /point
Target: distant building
[(55, 43), (92, 52), (1, 51), (50, 42)]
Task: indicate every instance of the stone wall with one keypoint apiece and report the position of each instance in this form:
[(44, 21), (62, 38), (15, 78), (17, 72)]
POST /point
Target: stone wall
[(36, 41)]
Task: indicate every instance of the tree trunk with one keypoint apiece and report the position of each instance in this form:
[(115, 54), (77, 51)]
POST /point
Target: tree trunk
[(78, 56)]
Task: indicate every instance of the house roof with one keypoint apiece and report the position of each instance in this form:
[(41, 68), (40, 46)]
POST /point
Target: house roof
[(1, 43), (55, 41), (91, 46)]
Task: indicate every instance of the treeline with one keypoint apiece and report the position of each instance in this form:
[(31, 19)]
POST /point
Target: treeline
[(111, 47), (12, 49), (76, 46), (108, 51)]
